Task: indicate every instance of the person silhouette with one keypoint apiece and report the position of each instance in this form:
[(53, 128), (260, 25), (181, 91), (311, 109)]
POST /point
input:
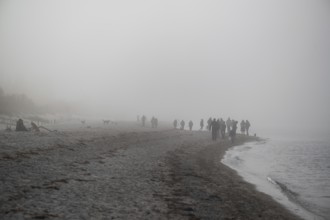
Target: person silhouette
[(229, 124), (233, 131), (182, 123), (175, 123), (202, 124), (222, 128), (214, 128), (209, 122), (190, 125), (218, 128), (242, 124), (247, 127)]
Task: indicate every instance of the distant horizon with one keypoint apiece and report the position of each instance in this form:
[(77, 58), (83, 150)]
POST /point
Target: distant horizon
[(263, 61)]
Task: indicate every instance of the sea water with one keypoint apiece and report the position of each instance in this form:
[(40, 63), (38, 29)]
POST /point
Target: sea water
[(294, 171)]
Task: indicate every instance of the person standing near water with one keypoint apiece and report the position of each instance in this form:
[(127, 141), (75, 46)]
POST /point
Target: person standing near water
[(232, 133), (242, 124), (218, 128), (214, 128), (190, 125), (228, 123), (222, 128), (247, 126)]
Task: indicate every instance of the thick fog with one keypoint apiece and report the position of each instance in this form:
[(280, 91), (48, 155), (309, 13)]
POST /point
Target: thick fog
[(266, 61)]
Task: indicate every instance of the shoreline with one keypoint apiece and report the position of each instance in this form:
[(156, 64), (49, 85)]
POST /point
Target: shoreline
[(265, 183), (126, 172), (227, 195)]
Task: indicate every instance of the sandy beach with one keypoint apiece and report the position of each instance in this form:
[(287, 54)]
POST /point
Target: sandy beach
[(125, 172)]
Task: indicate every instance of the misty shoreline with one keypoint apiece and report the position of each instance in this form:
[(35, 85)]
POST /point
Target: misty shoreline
[(125, 172)]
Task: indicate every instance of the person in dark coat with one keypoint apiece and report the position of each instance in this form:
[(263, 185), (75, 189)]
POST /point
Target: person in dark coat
[(222, 128), (209, 122), (247, 127), (229, 125), (190, 125), (214, 128), (218, 128), (242, 124), (202, 124), (182, 123), (232, 133)]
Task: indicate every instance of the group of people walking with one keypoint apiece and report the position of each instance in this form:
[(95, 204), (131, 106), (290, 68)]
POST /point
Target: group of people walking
[(182, 124), (218, 127), (245, 126), (153, 121)]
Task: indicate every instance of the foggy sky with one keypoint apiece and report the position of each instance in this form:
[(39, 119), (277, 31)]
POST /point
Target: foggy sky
[(266, 61)]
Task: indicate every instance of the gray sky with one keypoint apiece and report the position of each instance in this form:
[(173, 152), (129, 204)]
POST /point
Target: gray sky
[(267, 61)]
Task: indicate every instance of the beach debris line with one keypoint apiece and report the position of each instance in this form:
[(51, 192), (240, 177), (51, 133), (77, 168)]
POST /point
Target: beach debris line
[(34, 127), (8, 128), (21, 127)]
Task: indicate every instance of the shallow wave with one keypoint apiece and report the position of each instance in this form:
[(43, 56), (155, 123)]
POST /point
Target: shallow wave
[(284, 188), (293, 196), (285, 166)]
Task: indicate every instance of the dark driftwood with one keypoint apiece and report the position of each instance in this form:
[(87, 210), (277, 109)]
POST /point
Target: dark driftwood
[(20, 125)]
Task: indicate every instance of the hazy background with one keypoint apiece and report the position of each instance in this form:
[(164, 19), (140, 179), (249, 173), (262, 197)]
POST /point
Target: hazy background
[(266, 61)]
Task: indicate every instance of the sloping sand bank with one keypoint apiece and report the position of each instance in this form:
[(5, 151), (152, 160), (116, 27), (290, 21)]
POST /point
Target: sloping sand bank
[(120, 173)]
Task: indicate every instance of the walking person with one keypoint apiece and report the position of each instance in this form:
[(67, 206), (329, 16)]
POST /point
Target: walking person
[(247, 127), (222, 128), (228, 123), (202, 124), (214, 129), (182, 123), (242, 124), (190, 125), (209, 122), (232, 133), (218, 128)]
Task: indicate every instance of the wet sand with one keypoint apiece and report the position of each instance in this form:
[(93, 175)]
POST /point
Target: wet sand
[(128, 172)]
